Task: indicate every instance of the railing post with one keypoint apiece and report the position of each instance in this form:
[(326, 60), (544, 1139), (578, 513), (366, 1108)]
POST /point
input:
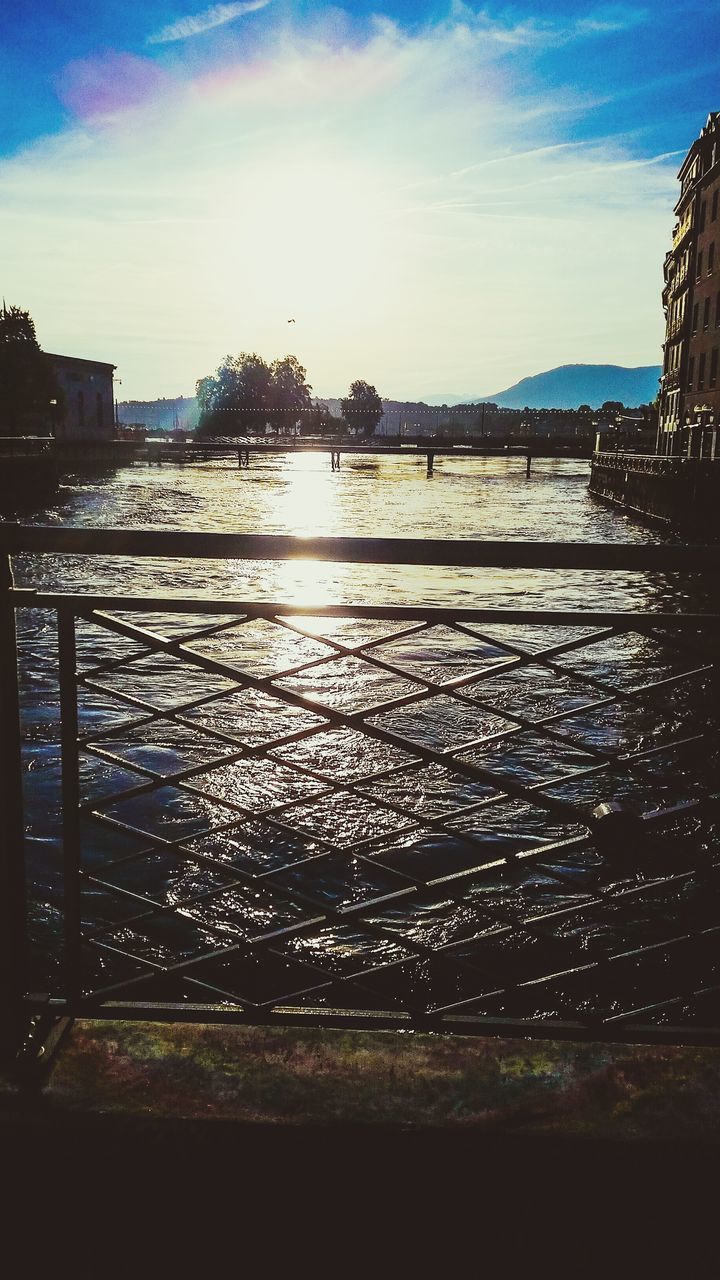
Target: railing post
[(67, 662), (13, 904)]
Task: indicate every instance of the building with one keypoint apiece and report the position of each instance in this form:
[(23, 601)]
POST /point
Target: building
[(180, 413), (689, 395), (86, 410)]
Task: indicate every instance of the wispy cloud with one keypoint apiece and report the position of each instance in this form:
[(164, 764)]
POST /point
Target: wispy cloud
[(528, 32), (196, 23)]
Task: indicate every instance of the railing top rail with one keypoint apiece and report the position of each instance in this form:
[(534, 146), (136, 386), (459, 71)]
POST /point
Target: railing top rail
[(171, 543)]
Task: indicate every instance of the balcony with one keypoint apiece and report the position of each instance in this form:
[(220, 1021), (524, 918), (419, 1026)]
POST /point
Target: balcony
[(684, 227)]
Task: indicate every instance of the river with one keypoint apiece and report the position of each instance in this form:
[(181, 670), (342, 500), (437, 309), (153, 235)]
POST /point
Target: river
[(303, 861)]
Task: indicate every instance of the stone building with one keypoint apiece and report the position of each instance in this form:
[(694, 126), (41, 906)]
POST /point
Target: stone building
[(689, 395), (87, 406)]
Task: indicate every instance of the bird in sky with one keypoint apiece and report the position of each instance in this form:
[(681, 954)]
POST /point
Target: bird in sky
[(291, 321)]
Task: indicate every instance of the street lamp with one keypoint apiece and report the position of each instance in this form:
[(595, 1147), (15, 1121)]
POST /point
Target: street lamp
[(119, 383)]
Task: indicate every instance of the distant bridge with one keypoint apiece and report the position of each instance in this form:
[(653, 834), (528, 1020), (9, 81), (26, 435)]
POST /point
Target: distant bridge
[(243, 448)]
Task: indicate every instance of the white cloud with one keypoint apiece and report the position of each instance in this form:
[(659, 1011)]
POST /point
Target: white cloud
[(428, 224), (195, 24)]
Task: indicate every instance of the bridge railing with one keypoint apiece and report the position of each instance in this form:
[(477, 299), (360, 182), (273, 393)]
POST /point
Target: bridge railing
[(476, 820), (653, 464)]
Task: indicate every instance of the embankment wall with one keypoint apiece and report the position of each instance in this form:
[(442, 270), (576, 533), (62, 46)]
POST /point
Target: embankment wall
[(682, 494)]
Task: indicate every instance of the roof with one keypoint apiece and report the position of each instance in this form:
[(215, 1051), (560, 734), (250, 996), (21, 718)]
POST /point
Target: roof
[(78, 360)]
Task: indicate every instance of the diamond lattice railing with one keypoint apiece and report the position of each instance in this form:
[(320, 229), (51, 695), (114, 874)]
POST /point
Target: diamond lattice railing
[(384, 816), (390, 812)]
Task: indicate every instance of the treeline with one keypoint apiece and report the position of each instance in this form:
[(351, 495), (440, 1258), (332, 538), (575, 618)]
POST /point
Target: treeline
[(409, 419), (246, 395)]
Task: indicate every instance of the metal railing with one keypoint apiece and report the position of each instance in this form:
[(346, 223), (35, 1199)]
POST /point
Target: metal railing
[(473, 820), (656, 464), (26, 446), (653, 464)]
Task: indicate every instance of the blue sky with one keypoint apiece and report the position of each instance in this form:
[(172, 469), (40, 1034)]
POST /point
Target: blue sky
[(437, 190)]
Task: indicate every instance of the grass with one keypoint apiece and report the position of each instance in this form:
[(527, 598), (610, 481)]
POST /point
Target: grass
[(293, 1077)]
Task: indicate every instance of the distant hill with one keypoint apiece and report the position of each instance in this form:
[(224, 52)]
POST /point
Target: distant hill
[(571, 385), (449, 397)]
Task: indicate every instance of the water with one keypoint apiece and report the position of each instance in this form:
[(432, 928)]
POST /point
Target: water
[(384, 497), (302, 852)]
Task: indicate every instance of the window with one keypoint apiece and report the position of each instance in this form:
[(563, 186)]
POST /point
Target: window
[(695, 317), (713, 367), (713, 211), (717, 310), (702, 217), (691, 373), (706, 313), (698, 270), (701, 373), (711, 258)]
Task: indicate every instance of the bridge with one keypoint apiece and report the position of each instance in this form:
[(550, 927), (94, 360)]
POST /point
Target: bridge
[(159, 451)]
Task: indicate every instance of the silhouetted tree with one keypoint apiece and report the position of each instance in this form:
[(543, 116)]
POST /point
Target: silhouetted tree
[(236, 399), (245, 394), (289, 394), (362, 409), (612, 406), (30, 397)]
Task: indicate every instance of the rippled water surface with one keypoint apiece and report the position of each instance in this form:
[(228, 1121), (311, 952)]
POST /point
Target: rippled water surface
[(329, 819), (385, 497)]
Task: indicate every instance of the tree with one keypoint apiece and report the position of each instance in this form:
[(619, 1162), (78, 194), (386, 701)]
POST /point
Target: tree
[(362, 409), (236, 399), (245, 394), (289, 394), (29, 393), (612, 406), (584, 408)]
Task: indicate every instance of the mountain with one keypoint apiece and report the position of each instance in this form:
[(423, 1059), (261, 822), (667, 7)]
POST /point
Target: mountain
[(448, 397), (571, 385)]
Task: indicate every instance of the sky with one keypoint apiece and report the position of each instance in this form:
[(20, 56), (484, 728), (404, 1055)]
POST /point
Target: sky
[(442, 198)]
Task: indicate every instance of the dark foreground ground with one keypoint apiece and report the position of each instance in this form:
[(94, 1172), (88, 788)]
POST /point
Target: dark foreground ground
[(243, 1150)]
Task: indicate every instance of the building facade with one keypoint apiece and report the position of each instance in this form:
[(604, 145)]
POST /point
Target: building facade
[(86, 410), (689, 394)]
